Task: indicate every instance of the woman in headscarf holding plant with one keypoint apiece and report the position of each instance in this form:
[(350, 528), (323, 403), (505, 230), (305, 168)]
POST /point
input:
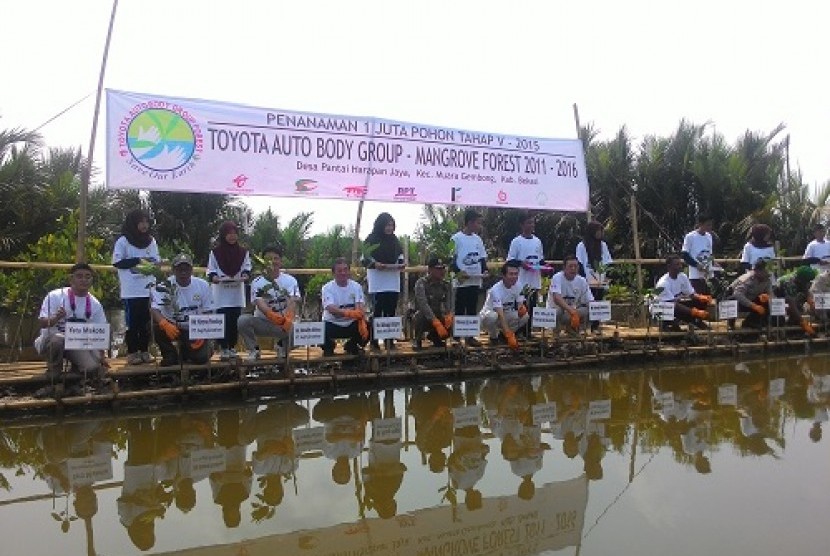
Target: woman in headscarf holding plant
[(383, 257), (229, 267)]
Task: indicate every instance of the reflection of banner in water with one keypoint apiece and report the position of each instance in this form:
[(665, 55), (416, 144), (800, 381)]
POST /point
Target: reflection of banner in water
[(505, 525)]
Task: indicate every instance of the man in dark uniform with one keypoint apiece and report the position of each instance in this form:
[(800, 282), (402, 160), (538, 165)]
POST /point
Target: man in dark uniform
[(432, 304)]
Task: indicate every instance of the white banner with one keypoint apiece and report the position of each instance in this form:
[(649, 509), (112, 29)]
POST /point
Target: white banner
[(192, 145)]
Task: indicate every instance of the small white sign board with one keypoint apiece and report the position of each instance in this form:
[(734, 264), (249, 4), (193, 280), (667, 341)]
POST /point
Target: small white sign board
[(728, 309), (728, 394), (386, 429), (466, 326), (206, 327), (309, 440), (228, 294), (664, 401), (387, 328), (664, 310), (86, 335), (89, 470), (776, 387), (544, 413), (599, 311), (466, 416), (822, 300), (777, 307), (206, 461), (599, 409), (544, 317), (309, 333)]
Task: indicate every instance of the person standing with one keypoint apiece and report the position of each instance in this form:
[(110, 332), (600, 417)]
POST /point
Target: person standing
[(697, 253), (817, 253), (343, 311), (504, 311), (469, 261), (758, 247), (383, 257), (527, 248), (433, 314), (229, 267), (275, 297), (136, 245), (593, 255)]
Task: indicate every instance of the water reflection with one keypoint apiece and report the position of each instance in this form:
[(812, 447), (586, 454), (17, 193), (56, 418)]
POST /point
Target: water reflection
[(518, 465)]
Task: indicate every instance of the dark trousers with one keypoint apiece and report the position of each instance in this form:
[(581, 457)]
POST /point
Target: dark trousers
[(700, 286), (350, 333), (385, 305), (231, 330), (137, 319), (170, 351), (466, 300)]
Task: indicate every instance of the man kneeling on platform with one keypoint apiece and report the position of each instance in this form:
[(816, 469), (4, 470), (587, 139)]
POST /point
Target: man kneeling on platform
[(343, 311), (569, 294), (72, 304), (753, 290), (794, 287), (275, 298), (689, 306), (432, 305), (174, 300), (504, 311)]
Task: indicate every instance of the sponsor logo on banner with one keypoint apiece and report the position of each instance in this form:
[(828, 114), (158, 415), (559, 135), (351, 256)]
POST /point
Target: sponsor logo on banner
[(355, 191), (305, 187), (501, 197), (160, 140), (406, 194), (455, 195)]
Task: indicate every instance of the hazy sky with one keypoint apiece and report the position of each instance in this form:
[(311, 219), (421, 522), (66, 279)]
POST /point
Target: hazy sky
[(503, 67)]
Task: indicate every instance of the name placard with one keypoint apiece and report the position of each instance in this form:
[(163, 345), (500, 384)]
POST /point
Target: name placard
[(466, 326), (544, 413), (205, 461), (777, 307), (822, 300), (387, 328), (206, 327), (776, 387), (599, 311), (728, 394), (230, 293), (728, 309), (309, 333), (663, 310), (308, 440), (599, 409), (544, 317), (386, 429), (86, 335), (89, 470)]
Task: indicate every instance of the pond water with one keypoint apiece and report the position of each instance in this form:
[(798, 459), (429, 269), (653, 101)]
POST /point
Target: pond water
[(723, 458)]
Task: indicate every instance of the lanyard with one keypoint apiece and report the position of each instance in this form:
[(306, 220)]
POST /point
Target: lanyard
[(87, 311)]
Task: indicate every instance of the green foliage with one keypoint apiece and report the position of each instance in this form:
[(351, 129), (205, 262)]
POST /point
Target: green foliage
[(315, 285), (619, 293), (434, 234)]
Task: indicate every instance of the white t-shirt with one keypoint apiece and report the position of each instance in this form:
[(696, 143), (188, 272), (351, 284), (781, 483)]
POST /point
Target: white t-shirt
[(195, 299), (575, 292), (386, 280), (61, 297), (820, 251), (132, 284), (284, 287), (468, 252), (345, 297), (674, 287), (699, 246), (582, 256), (501, 297), (751, 253), (529, 250), (214, 268)]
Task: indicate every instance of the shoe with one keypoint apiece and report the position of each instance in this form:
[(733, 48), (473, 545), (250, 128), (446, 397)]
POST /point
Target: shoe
[(700, 325), (375, 346), (135, 358), (225, 354), (472, 342), (390, 345), (498, 340), (253, 355), (352, 348), (670, 326), (417, 345), (146, 357), (439, 344), (232, 354)]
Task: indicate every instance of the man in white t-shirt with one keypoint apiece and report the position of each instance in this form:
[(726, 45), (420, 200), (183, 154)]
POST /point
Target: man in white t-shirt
[(343, 312), (469, 261), (527, 248), (675, 286), (697, 253), (504, 311), (570, 294), (174, 300), (817, 253), (275, 297), (73, 304)]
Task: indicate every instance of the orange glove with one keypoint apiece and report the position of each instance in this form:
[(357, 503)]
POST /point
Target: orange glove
[(808, 328), (196, 344), (522, 310), (707, 299), (575, 320), (512, 343), (170, 330), (700, 314), (275, 317), (763, 298), (288, 321), (448, 320), (440, 329), (363, 329), (758, 309), (353, 314)]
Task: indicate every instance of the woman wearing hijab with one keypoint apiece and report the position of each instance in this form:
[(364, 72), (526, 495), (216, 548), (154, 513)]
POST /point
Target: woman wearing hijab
[(383, 257), (759, 246), (136, 245), (593, 254), (229, 267)]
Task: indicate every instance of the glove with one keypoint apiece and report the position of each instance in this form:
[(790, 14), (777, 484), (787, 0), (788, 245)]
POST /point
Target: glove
[(353, 314), (706, 299), (512, 343), (196, 344), (700, 314), (575, 321), (448, 320), (170, 330), (758, 309), (440, 329), (808, 328), (275, 317), (763, 298), (522, 310), (362, 329), (288, 321)]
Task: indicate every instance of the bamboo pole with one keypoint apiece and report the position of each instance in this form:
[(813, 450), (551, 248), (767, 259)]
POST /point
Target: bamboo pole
[(578, 132)]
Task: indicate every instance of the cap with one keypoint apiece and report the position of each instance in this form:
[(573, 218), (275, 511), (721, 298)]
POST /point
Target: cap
[(182, 258), (436, 262)]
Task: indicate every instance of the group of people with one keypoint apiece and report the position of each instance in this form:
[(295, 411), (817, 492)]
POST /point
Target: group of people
[(161, 311)]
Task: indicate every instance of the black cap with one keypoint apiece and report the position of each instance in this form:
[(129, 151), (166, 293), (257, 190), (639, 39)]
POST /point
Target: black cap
[(436, 262)]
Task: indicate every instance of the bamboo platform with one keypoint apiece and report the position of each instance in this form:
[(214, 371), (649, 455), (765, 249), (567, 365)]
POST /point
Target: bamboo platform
[(25, 388)]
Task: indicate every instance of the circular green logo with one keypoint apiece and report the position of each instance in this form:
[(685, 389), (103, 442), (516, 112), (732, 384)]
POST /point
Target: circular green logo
[(160, 139)]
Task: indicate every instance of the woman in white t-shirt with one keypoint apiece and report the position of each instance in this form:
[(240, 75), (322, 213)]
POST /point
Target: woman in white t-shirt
[(383, 257), (758, 247)]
